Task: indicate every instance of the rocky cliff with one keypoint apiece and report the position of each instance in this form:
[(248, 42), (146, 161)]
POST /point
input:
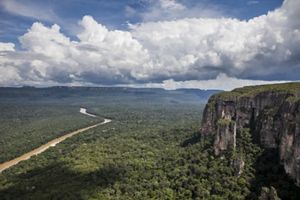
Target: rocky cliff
[(272, 112)]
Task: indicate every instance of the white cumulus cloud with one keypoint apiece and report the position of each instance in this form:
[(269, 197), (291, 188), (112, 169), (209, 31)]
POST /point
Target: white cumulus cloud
[(221, 82), (166, 52), (7, 47), (199, 47)]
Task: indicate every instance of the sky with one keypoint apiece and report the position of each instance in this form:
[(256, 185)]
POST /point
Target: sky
[(206, 44)]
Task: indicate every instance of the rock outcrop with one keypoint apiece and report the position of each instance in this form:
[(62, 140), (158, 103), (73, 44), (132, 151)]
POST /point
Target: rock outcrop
[(268, 194), (238, 166), (272, 112)]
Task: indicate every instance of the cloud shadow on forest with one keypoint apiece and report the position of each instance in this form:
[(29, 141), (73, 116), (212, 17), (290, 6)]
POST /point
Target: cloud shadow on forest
[(57, 181)]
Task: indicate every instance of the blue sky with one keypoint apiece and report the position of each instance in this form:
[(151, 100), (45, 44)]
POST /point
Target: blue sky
[(149, 43), (113, 14)]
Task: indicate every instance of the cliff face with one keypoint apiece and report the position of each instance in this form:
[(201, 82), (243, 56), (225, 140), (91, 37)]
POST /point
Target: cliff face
[(271, 112)]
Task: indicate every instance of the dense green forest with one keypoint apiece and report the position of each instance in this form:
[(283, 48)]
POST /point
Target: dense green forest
[(25, 127), (31, 116), (151, 150)]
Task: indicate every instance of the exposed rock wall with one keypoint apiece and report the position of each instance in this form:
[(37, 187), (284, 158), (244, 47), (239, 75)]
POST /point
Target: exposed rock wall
[(273, 117)]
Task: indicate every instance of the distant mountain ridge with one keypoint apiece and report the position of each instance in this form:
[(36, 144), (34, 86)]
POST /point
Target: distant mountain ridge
[(148, 94)]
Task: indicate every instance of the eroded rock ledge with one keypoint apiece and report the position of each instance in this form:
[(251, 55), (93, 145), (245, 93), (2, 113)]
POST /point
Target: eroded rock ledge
[(272, 112)]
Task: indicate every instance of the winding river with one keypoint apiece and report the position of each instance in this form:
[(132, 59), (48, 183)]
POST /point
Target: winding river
[(52, 143)]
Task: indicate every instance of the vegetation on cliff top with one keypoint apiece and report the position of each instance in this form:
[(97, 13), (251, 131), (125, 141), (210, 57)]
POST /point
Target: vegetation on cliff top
[(293, 88), (251, 91)]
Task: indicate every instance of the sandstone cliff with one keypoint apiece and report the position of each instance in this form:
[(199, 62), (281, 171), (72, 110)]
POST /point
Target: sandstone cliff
[(272, 112)]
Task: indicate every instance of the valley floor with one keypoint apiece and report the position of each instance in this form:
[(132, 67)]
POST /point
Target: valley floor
[(52, 143)]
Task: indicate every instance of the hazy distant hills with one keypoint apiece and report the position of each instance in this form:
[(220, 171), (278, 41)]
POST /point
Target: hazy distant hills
[(117, 94)]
